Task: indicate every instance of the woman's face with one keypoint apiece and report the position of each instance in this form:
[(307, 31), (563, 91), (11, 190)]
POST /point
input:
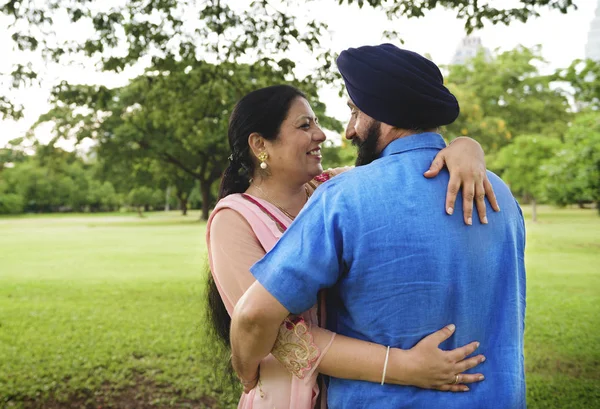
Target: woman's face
[(296, 154)]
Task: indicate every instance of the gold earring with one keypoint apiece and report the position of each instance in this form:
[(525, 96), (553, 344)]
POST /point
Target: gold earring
[(262, 157)]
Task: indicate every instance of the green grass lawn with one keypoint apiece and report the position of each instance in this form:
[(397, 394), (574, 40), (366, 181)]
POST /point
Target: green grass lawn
[(97, 311)]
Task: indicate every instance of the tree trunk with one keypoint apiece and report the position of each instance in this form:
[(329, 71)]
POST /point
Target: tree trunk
[(534, 210), (205, 190), (183, 204), (167, 194), (140, 208)]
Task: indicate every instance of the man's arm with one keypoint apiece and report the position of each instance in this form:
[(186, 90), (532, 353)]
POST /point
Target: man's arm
[(254, 326), (305, 260)]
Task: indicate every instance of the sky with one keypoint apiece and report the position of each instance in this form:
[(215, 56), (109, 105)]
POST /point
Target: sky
[(563, 38)]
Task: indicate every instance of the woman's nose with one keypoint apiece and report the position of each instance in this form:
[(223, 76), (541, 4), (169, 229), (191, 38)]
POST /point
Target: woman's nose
[(319, 135)]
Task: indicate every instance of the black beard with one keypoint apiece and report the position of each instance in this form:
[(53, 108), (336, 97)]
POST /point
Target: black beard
[(367, 149)]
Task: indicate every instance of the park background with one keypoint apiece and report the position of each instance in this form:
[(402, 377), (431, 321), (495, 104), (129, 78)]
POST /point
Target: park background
[(113, 124)]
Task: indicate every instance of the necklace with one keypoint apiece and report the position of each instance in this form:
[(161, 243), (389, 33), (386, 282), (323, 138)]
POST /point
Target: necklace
[(266, 196)]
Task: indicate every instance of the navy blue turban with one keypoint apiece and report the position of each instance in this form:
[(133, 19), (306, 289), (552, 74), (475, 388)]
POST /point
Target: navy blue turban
[(397, 87)]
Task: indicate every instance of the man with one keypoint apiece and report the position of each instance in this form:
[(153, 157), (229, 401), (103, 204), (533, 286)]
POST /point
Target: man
[(396, 267)]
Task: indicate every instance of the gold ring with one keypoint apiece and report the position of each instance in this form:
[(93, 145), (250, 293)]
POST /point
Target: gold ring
[(456, 380)]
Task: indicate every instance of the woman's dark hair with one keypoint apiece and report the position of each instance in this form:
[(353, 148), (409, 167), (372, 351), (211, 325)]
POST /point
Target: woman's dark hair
[(261, 111)]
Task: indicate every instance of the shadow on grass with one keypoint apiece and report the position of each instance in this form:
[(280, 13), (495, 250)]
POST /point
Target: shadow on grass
[(142, 394)]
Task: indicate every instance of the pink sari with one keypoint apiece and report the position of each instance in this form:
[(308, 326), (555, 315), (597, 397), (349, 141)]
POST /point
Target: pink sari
[(277, 387)]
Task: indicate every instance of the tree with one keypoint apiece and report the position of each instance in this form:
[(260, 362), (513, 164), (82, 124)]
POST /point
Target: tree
[(491, 132), (141, 198), (101, 196), (338, 156), (574, 174), (11, 203), (132, 30), (12, 153), (584, 77), (473, 12), (522, 165), (54, 180), (157, 118), (506, 96)]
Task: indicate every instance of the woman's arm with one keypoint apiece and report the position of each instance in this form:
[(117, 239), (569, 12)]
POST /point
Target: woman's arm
[(254, 332), (234, 249), (465, 161), (424, 365)]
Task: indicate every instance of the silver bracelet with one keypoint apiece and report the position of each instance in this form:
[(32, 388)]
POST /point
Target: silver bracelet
[(387, 355)]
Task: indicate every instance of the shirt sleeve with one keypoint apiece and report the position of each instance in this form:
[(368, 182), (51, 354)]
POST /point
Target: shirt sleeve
[(234, 248), (308, 257)]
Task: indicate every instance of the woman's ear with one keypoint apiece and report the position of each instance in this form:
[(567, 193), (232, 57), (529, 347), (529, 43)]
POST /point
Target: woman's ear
[(256, 143)]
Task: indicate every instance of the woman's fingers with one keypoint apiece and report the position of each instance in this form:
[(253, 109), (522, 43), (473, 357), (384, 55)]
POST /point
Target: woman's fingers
[(461, 386), (453, 388), (480, 200), (469, 363), (489, 193), (438, 164), (468, 192), (452, 192), (470, 378), (461, 353), (440, 336)]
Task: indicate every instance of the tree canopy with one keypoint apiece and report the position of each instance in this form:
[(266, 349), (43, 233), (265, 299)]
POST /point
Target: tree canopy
[(125, 32)]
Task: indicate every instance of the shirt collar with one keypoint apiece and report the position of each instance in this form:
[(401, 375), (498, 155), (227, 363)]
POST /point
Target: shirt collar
[(412, 142)]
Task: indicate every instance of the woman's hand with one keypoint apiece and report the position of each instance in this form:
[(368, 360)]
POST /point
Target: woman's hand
[(426, 366), (466, 163)]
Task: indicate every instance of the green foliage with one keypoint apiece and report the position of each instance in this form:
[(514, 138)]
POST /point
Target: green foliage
[(11, 203), (506, 96), (141, 197), (126, 32), (584, 77), (54, 180), (102, 196), (338, 156), (522, 164), (491, 132), (114, 301), (473, 12), (157, 125), (574, 174)]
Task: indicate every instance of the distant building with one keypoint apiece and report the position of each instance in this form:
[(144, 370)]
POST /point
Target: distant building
[(592, 48), (467, 49)]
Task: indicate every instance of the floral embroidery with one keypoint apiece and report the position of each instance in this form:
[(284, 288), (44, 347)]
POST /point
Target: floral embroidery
[(323, 177), (294, 346)]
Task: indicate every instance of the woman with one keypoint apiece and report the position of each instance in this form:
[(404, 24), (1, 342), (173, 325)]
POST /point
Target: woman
[(275, 166)]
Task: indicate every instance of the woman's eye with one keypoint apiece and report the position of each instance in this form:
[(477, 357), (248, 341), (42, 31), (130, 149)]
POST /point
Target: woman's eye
[(305, 126)]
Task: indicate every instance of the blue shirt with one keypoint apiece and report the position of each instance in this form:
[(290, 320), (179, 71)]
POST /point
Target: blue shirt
[(399, 268)]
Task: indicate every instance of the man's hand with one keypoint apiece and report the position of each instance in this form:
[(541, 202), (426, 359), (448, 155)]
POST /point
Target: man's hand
[(249, 384)]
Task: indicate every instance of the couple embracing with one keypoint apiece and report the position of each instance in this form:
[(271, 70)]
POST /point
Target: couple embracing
[(356, 287)]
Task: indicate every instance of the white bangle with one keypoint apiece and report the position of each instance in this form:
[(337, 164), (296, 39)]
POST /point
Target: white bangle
[(387, 355)]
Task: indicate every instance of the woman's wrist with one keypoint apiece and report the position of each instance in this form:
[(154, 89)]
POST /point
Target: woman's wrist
[(398, 372)]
